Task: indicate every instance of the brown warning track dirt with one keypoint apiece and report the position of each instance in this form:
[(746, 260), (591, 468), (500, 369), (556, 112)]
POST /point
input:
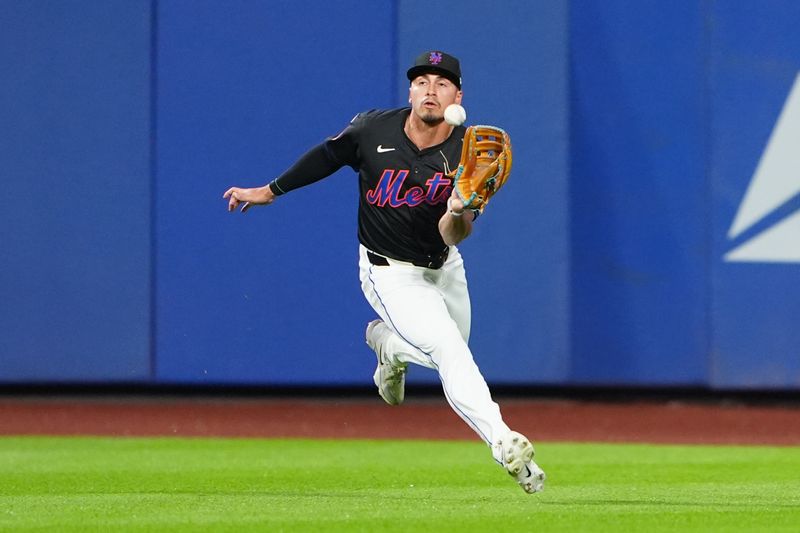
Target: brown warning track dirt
[(541, 420)]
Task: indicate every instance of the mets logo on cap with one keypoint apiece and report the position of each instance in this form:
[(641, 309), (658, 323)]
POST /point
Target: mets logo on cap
[(435, 58)]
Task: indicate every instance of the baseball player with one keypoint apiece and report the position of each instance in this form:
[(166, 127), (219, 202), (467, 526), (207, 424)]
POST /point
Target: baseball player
[(409, 223)]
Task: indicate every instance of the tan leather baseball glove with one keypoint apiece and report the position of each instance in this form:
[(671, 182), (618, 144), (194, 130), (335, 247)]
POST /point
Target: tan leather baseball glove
[(484, 167)]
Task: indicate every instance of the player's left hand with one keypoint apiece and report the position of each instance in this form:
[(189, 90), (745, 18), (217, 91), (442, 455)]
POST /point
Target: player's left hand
[(248, 197)]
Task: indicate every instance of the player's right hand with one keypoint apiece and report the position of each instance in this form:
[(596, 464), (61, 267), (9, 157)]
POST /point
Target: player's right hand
[(248, 197)]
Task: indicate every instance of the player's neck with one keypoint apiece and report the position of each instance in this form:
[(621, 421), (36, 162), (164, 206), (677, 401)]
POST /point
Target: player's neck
[(425, 135)]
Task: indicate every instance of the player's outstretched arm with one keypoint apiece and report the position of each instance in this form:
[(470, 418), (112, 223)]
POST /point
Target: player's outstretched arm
[(248, 197)]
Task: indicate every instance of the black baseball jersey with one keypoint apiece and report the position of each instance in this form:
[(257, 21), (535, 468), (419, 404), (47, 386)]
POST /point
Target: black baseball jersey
[(403, 190)]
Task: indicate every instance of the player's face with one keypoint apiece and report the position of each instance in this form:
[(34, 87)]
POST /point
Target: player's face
[(430, 94)]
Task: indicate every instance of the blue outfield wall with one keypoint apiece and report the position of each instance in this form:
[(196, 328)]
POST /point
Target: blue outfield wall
[(271, 296), (672, 107), (649, 236), (75, 270), (639, 198), (754, 177)]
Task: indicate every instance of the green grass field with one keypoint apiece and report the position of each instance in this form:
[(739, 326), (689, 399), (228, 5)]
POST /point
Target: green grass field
[(167, 484)]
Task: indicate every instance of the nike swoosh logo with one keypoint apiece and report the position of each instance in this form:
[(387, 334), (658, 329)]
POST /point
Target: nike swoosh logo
[(381, 149)]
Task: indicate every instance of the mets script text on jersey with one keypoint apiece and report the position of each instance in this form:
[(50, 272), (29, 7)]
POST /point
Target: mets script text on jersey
[(388, 190)]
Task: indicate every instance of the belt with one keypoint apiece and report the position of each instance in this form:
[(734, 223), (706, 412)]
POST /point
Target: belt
[(435, 262)]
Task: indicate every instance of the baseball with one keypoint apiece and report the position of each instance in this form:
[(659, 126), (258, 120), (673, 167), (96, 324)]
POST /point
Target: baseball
[(455, 115)]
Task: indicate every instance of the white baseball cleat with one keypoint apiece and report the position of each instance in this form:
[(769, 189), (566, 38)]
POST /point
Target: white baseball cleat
[(517, 457), (389, 378)]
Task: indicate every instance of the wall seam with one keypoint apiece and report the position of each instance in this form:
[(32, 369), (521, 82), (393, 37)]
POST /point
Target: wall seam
[(395, 51), (153, 187), (708, 27)]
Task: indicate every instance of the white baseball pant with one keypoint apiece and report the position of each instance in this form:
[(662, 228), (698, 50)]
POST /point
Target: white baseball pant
[(429, 314)]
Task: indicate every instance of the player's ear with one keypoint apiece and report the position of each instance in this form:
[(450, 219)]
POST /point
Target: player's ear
[(459, 94)]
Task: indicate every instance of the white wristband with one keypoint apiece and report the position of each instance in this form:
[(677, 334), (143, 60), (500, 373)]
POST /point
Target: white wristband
[(450, 209)]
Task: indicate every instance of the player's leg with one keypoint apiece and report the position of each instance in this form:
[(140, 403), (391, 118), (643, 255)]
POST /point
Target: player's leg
[(512, 450), (423, 332), (453, 286), (391, 279), (392, 352), (428, 315)]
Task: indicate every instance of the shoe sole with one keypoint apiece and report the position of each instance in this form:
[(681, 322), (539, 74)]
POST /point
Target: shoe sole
[(517, 451), (518, 454)]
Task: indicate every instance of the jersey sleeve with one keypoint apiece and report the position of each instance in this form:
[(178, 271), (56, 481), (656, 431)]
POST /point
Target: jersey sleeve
[(343, 148), (322, 160)]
